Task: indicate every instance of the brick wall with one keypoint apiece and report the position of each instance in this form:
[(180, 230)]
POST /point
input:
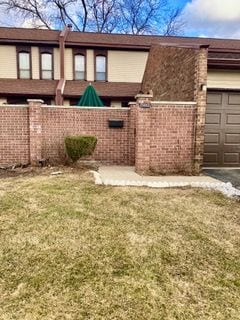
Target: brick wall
[(159, 139), (180, 74), (165, 138), (113, 145), (170, 73), (14, 135)]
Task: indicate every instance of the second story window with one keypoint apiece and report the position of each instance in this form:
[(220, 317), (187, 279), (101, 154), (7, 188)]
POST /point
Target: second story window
[(24, 65), (79, 63), (100, 67), (46, 66)]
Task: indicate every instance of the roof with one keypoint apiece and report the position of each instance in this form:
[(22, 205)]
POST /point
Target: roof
[(74, 38), (104, 89), (31, 87), (72, 88)]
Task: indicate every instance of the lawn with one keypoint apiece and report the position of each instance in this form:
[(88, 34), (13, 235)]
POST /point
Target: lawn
[(73, 250)]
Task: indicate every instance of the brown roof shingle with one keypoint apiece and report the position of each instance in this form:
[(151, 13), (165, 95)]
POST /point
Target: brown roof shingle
[(104, 89), (111, 40), (23, 34), (72, 88), (31, 87)]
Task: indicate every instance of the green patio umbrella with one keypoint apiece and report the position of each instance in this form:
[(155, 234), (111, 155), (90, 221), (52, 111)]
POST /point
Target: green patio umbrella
[(90, 98)]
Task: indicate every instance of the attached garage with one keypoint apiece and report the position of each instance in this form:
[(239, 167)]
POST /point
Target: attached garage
[(222, 129)]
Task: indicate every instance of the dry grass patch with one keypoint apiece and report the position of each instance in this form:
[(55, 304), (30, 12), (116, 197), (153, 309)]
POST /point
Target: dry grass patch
[(73, 250)]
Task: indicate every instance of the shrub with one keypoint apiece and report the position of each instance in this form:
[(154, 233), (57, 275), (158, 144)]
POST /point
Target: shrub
[(80, 146)]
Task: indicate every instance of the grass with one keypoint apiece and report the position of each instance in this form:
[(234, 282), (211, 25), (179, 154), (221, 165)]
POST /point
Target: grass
[(73, 250)]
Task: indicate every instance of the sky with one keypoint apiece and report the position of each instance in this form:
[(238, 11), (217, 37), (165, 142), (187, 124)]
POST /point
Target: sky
[(203, 18), (211, 18)]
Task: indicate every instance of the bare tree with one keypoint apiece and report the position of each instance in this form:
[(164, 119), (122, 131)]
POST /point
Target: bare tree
[(127, 16), (173, 23), (150, 17), (63, 14), (103, 15), (31, 10)]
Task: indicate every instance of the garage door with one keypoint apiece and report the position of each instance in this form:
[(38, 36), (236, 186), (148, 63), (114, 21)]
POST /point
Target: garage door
[(222, 130)]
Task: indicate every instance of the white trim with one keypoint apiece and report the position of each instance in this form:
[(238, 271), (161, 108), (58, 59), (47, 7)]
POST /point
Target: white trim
[(175, 102), (221, 168), (224, 59), (35, 101), (223, 88), (142, 96), (63, 86)]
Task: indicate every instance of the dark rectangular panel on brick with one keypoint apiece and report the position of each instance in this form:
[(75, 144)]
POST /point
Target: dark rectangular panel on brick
[(112, 123)]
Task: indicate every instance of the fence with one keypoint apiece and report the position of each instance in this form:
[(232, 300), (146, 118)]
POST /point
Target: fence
[(156, 136)]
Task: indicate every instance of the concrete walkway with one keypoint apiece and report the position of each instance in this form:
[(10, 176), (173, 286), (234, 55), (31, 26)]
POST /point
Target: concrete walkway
[(126, 176), (121, 173)]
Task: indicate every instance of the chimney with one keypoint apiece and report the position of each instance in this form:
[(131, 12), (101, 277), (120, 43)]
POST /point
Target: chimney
[(62, 38), (61, 84)]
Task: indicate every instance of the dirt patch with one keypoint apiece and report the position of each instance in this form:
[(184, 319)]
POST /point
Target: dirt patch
[(35, 171)]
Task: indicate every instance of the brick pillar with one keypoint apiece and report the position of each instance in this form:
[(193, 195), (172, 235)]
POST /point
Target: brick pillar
[(132, 132), (143, 133), (201, 99), (35, 130)]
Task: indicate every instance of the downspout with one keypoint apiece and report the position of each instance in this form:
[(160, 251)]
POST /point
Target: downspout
[(61, 84)]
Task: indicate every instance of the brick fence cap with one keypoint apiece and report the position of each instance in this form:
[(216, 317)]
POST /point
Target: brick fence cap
[(143, 96), (35, 101)]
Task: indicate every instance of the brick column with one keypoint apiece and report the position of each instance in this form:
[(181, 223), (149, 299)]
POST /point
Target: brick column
[(143, 133), (35, 131), (132, 132), (201, 99)]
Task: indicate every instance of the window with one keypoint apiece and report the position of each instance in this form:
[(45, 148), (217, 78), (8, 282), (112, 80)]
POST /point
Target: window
[(79, 63), (101, 74), (46, 66), (24, 68)]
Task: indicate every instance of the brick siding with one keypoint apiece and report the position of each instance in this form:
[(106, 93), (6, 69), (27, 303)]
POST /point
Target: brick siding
[(113, 145), (14, 135), (180, 74), (165, 139), (170, 73), (159, 139)]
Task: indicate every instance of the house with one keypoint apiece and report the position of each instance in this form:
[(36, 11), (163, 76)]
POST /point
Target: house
[(56, 66)]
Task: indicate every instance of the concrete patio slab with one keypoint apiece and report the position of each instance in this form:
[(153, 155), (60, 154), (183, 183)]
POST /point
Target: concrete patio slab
[(117, 173), (126, 176)]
